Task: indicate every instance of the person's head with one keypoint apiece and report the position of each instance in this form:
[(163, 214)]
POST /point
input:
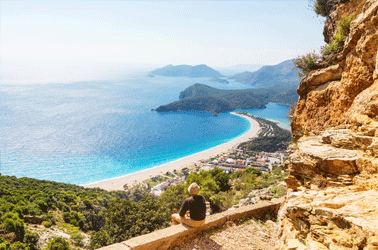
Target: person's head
[(193, 189)]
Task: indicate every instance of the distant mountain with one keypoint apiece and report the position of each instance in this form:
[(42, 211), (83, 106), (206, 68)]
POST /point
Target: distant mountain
[(232, 70), (267, 76), (187, 70), (200, 97), (240, 75), (217, 79)]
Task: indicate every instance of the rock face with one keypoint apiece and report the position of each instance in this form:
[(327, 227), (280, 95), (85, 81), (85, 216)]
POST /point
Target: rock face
[(330, 96), (332, 200)]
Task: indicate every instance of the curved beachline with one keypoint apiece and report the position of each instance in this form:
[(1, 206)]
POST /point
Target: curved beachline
[(117, 183)]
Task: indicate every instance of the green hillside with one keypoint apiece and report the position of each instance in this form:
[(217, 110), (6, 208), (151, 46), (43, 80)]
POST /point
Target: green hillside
[(200, 97)]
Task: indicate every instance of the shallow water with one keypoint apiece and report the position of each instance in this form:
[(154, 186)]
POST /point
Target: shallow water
[(90, 131)]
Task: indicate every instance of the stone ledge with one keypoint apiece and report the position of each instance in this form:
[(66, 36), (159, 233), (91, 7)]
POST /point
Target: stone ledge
[(176, 235)]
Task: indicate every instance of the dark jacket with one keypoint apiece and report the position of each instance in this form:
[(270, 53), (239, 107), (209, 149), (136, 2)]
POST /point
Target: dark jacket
[(197, 207)]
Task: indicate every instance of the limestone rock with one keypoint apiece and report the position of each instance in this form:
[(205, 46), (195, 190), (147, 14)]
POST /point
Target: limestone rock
[(317, 78), (331, 96), (332, 199)]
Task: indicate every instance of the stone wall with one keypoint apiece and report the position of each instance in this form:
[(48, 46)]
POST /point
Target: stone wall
[(176, 235)]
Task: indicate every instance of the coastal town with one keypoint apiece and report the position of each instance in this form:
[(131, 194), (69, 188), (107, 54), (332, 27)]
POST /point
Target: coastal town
[(235, 160), (251, 154)]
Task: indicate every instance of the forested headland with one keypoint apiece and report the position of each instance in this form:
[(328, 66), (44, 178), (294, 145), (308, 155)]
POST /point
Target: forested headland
[(272, 138), (200, 97)]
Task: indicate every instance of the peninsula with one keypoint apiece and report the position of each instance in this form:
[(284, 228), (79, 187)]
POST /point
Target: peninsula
[(200, 97), (217, 79)]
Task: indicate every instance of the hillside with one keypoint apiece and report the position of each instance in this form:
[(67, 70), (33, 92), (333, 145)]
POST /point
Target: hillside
[(200, 97), (333, 183), (186, 70), (267, 76), (217, 79)]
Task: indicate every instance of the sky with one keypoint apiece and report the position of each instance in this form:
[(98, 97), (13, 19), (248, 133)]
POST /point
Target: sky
[(78, 40)]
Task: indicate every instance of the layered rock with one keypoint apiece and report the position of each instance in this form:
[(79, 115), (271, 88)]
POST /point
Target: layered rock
[(332, 200), (328, 97)]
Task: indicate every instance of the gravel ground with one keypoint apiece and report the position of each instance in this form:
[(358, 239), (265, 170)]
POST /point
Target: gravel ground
[(242, 235)]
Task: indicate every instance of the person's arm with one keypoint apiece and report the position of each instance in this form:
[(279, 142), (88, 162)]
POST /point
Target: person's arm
[(184, 208)]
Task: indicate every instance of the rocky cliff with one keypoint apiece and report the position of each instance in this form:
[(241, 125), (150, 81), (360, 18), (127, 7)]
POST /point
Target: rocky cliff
[(332, 201)]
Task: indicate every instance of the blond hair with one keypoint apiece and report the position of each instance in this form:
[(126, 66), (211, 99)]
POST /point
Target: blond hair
[(193, 189)]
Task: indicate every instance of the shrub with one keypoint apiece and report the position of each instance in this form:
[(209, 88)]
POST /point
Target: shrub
[(19, 246), (77, 238), (279, 191), (343, 29), (58, 243), (99, 239), (4, 246), (343, 26), (46, 224), (321, 8), (306, 63), (329, 49), (31, 239), (11, 223)]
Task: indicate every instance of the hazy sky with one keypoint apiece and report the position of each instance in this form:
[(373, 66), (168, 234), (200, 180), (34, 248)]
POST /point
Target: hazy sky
[(85, 40)]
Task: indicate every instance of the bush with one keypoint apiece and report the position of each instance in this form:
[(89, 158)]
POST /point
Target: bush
[(4, 246), (343, 29), (99, 239), (321, 8), (306, 63), (279, 191), (46, 224), (31, 239), (11, 223), (19, 246), (343, 26), (77, 238), (58, 243)]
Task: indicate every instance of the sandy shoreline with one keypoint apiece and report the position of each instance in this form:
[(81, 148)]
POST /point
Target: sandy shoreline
[(118, 182)]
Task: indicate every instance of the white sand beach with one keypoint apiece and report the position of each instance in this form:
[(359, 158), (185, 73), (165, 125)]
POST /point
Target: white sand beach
[(130, 179)]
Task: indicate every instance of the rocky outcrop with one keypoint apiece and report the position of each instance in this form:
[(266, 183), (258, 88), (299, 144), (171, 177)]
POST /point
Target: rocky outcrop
[(33, 220), (332, 200), (327, 95)]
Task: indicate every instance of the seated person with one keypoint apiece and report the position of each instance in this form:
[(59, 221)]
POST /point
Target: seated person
[(195, 206)]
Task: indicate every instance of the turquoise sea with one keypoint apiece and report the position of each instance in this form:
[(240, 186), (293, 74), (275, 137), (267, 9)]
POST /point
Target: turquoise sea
[(85, 132)]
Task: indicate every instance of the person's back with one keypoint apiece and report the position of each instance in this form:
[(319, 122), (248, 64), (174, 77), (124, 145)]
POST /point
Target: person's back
[(195, 206)]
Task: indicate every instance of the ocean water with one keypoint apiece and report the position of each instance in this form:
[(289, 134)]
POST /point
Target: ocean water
[(85, 132), (273, 111)]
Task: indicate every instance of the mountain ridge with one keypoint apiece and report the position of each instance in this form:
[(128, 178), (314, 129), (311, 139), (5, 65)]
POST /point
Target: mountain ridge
[(200, 70), (269, 75)]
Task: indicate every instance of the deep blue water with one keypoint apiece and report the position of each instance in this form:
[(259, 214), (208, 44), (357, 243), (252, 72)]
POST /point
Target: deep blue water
[(90, 131)]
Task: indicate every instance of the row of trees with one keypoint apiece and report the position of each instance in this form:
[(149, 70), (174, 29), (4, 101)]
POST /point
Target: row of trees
[(272, 138)]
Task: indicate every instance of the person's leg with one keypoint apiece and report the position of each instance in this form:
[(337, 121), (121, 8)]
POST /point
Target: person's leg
[(191, 223), (176, 219)]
